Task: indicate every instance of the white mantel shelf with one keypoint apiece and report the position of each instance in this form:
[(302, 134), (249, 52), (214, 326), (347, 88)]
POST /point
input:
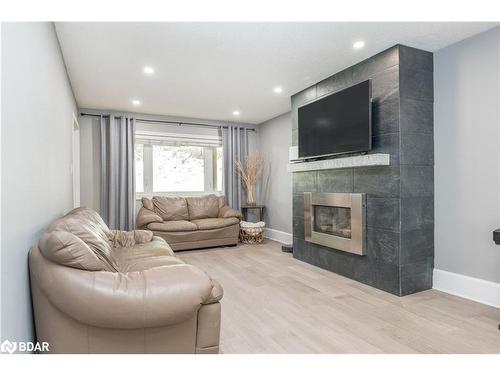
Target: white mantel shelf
[(369, 160)]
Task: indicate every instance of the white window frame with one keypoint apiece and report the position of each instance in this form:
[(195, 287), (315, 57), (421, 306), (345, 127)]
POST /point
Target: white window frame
[(210, 173)]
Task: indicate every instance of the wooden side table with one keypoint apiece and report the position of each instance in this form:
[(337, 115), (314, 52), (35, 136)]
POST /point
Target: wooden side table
[(245, 208)]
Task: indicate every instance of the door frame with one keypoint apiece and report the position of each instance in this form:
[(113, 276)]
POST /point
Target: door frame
[(75, 161)]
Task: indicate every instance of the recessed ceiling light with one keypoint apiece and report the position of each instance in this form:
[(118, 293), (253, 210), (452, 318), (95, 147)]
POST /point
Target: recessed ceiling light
[(148, 70), (278, 90), (236, 113), (359, 44), (136, 102)]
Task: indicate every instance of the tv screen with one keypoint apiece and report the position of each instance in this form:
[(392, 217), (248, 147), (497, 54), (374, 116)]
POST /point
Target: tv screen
[(336, 124)]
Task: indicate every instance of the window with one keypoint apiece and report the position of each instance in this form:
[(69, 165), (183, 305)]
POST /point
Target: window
[(220, 172), (139, 168), (178, 168), (173, 164)]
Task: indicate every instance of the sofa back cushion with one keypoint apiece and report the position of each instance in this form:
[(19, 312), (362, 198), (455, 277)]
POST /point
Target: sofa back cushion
[(171, 208), (222, 201), (89, 228), (203, 207), (67, 249), (147, 203)]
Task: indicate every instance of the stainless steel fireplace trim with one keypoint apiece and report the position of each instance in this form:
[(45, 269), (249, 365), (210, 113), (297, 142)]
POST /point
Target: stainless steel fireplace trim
[(356, 202)]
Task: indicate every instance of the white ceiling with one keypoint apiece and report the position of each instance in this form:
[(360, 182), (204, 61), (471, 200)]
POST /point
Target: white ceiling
[(207, 70)]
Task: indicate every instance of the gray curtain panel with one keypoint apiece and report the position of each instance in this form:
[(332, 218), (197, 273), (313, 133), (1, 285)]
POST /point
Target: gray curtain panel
[(235, 146), (118, 172)]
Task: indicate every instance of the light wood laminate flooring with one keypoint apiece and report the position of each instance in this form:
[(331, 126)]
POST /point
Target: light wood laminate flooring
[(274, 303)]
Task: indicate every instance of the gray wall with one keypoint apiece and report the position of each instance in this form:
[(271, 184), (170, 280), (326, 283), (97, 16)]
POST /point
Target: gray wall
[(37, 120), (275, 138), (467, 147)]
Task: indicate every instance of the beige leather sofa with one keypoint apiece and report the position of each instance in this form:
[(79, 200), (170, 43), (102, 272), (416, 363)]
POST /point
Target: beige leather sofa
[(95, 290), (191, 222)]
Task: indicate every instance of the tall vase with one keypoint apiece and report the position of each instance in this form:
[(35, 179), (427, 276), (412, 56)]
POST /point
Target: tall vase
[(250, 195)]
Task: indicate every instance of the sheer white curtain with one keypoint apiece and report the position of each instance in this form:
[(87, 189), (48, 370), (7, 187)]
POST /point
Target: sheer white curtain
[(118, 171), (234, 146)]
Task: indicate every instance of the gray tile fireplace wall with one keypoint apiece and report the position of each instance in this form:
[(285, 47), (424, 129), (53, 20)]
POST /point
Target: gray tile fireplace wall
[(400, 197)]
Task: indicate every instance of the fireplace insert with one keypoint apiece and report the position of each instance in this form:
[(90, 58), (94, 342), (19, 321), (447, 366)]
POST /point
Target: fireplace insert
[(336, 220)]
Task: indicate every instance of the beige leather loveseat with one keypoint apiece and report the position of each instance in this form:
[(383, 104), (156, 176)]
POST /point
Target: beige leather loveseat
[(95, 290), (191, 222)]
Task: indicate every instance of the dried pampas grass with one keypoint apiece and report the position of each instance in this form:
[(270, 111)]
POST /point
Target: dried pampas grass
[(250, 172)]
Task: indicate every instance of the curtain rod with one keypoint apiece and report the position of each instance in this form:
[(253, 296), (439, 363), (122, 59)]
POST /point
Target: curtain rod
[(180, 123)]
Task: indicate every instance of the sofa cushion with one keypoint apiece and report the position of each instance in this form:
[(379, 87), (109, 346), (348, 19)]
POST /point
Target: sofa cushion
[(145, 256), (157, 246), (227, 211), (171, 208), (123, 238), (203, 207), (222, 201), (92, 218), (65, 248), (147, 203), (145, 216), (173, 226), (88, 226), (134, 264), (215, 223)]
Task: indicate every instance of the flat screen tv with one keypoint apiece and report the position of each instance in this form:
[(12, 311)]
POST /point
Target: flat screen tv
[(338, 123)]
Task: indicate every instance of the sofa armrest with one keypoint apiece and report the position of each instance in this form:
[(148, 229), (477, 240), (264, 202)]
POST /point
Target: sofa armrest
[(226, 211), (216, 293), (156, 297), (145, 217), (130, 238)]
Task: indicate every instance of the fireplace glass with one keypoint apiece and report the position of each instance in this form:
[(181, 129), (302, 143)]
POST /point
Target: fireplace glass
[(332, 220)]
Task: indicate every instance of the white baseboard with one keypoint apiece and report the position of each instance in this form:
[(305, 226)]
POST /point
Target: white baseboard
[(278, 235), (478, 290)]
